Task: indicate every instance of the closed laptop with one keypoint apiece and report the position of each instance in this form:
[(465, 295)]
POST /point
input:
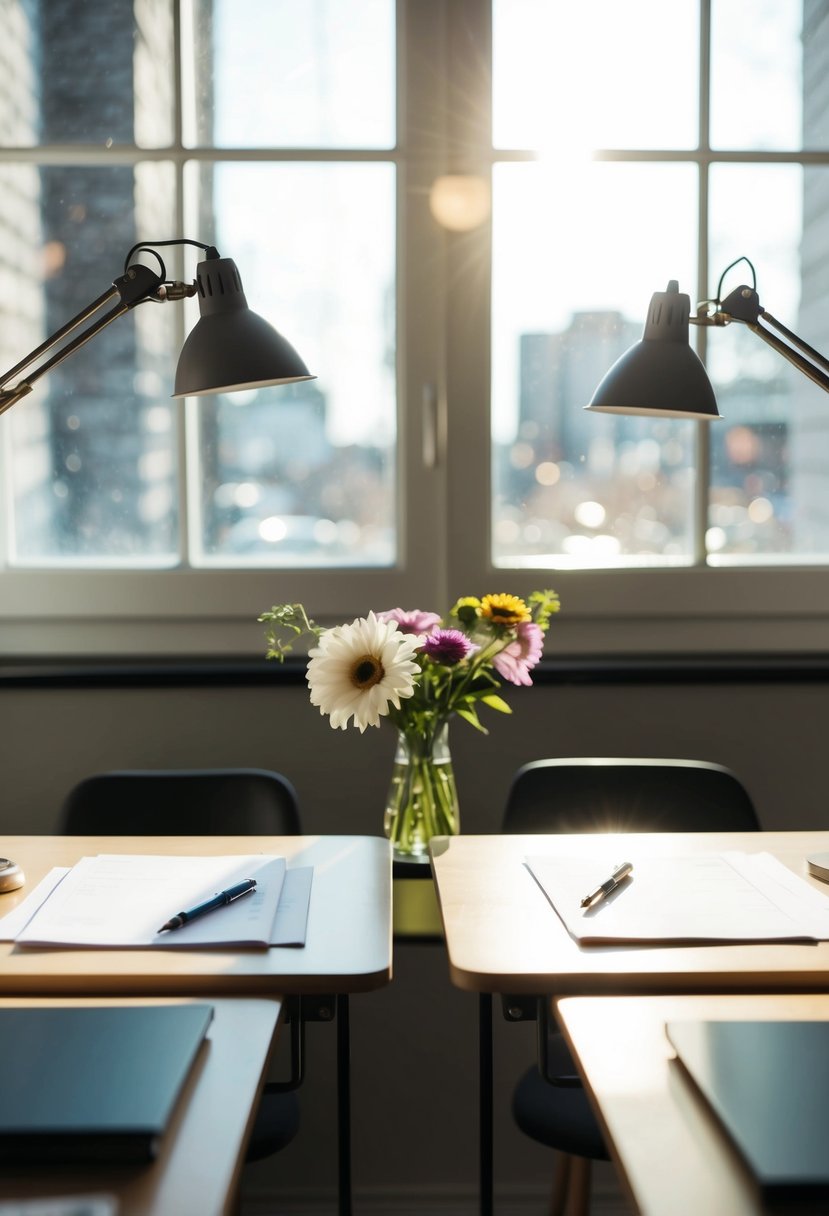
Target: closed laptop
[(85, 1084), (768, 1083)]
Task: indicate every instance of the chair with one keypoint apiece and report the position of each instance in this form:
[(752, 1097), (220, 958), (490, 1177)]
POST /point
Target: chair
[(182, 802), (602, 795), (197, 802)]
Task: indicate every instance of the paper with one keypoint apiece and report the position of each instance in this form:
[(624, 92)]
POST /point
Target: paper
[(121, 900), (711, 897), (14, 922), (291, 921)]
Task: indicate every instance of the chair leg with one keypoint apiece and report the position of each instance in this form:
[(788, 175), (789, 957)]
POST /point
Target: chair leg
[(580, 1186), (561, 1184)]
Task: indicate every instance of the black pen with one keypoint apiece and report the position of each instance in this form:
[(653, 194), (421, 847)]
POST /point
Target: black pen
[(619, 874), (218, 901)]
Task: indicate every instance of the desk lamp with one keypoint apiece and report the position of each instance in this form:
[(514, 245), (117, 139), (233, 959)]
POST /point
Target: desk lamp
[(661, 376), (229, 348)]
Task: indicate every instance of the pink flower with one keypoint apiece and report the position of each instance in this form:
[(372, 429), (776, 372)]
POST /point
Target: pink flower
[(516, 660), (421, 623)]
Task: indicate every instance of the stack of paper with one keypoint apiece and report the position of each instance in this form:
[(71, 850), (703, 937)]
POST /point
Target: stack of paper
[(121, 900), (708, 897)]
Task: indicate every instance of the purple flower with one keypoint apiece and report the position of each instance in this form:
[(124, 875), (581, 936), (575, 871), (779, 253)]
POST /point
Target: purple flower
[(515, 661), (421, 623), (448, 646)]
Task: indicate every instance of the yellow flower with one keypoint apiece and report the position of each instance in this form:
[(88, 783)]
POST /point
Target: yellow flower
[(504, 609), (467, 609)]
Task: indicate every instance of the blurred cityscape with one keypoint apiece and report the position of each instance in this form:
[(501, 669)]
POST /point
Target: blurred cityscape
[(594, 488), (97, 459), (97, 447)]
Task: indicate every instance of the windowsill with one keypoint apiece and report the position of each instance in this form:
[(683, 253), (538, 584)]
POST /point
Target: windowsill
[(165, 672)]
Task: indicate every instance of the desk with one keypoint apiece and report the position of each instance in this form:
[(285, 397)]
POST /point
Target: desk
[(669, 1149), (349, 925), (503, 936), (349, 941), (197, 1171)]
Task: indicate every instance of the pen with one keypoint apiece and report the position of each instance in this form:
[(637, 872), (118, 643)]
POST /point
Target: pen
[(217, 901), (619, 874)]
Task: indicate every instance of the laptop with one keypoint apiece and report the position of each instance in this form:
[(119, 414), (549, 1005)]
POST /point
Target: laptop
[(81, 1084), (768, 1084)]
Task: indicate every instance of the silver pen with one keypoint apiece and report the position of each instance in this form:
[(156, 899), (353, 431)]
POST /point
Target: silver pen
[(619, 874)]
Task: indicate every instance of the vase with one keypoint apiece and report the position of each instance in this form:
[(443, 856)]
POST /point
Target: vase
[(423, 799)]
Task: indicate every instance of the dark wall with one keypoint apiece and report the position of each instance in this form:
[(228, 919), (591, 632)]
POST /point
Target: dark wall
[(414, 1043)]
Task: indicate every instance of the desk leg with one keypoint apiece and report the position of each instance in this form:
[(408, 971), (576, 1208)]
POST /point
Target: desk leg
[(344, 1106), (485, 1101)]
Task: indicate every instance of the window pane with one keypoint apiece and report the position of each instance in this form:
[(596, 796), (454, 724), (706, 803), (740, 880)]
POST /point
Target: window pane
[(80, 71), (305, 474), (573, 274), (770, 454), (596, 74), (94, 457), (320, 74), (758, 65)]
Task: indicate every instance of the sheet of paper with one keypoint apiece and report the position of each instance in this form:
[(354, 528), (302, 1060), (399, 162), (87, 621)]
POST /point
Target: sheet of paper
[(290, 924), (712, 897), (121, 900), (15, 921)]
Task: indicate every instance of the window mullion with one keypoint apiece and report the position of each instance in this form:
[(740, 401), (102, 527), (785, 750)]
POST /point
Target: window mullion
[(702, 443), (186, 468), (468, 305)]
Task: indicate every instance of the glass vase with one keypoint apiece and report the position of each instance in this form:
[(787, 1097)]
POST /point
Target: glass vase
[(423, 799)]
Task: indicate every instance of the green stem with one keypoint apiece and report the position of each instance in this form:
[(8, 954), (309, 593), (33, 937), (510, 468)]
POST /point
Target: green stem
[(423, 799)]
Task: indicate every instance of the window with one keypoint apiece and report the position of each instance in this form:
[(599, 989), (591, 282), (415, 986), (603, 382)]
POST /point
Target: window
[(457, 213), (668, 161)]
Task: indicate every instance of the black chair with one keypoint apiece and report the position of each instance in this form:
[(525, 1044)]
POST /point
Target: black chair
[(182, 802), (601, 795), (197, 802)]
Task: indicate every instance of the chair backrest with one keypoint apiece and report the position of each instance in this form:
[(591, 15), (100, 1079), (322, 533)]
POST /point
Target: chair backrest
[(182, 802), (627, 795)]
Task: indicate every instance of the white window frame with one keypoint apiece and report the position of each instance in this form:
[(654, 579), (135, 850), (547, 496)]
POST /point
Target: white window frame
[(187, 610), (696, 609), (444, 480)]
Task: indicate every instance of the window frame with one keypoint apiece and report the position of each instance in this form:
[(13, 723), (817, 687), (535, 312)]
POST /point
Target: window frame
[(443, 462), (190, 610), (699, 608)]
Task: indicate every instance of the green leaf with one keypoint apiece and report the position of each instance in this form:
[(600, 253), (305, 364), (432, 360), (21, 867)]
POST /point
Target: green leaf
[(471, 717), (497, 703)]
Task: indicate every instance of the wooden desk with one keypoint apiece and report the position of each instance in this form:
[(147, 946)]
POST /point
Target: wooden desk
[(349, 940), (503, 936), (197, 1171), (349, 925), (668, 1147)]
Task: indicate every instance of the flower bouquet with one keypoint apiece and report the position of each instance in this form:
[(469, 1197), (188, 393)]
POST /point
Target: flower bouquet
[(417, 670)]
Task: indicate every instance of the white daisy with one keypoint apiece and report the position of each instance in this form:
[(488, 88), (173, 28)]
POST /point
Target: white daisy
[(360, 670)]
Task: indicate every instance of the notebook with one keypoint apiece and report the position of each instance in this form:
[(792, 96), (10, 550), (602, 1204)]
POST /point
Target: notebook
[(768, 1083), (93, 1084)]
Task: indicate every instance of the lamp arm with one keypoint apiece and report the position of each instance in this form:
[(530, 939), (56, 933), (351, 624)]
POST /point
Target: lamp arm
[(57, 336), (816, 366), (137, 284), (743, 304)]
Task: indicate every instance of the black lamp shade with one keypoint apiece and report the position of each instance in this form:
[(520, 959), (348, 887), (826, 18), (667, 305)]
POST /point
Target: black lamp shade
[(230, 347), (660, 375)]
